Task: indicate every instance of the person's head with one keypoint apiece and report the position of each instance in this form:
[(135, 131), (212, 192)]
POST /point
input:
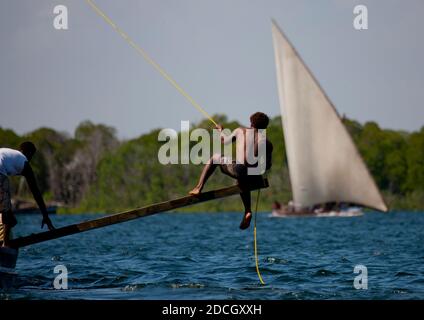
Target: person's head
[(259, 120), (28, 149)]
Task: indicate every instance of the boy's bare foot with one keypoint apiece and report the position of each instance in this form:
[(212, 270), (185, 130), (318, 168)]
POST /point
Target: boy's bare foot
[(245, 223), (195, 191)]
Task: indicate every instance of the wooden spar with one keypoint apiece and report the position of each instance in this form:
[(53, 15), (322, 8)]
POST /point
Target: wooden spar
[(133, 214)]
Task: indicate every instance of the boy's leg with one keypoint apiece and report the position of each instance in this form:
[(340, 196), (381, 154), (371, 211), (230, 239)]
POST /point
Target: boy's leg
[(247, 201), (208, 169)]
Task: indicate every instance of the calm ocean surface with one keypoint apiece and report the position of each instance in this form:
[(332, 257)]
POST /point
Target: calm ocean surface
[(206, 256)]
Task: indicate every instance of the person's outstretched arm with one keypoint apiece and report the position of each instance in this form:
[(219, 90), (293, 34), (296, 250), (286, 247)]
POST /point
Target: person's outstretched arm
[(32, 183), (226, 139)]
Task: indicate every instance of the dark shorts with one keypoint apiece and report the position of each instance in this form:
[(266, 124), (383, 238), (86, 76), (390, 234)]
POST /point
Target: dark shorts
[(234, 170), (6, 215), (239, 172), (5, 204)]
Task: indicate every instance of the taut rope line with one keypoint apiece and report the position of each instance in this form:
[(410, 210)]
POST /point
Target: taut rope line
[(144, 54)]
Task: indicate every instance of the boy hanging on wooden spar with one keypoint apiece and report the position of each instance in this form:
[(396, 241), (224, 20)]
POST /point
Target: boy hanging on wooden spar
[(239, 169)]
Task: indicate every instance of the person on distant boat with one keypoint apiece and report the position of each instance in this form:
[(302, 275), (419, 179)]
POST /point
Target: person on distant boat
[(276, 205), (14, 163), (239, 169)]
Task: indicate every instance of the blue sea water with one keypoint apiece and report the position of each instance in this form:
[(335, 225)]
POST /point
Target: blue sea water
[(206, 256)]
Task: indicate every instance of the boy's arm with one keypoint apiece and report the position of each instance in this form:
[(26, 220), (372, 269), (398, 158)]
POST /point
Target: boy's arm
[(226, 139), (32, 184)]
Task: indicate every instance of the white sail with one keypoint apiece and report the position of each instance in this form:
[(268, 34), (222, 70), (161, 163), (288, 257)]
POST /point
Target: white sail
[(324, 164)]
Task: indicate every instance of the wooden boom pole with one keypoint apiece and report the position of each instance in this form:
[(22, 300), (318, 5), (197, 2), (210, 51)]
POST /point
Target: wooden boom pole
[(133, 214)]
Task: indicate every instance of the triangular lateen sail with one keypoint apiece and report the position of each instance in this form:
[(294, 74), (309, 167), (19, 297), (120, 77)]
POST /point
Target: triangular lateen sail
[(324, 164)]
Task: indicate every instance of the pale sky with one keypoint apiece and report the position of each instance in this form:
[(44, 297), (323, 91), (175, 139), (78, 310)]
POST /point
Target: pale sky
[(219, 51)]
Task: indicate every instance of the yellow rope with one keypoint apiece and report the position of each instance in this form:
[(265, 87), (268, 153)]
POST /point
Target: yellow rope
[(149, 60), (254, 237)]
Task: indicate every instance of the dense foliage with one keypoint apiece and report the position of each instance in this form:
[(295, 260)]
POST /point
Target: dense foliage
[(93, 171)]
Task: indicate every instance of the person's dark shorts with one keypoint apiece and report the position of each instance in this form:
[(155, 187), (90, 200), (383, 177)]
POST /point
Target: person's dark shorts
[(6, 215), (239, 172), (5, 204), (234, 170)]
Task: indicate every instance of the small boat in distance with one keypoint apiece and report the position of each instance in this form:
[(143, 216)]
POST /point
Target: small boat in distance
[(326, 210), (327, 174)]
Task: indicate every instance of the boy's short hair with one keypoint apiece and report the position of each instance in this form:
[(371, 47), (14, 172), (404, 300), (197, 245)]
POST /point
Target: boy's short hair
[(259, 120), (28, 148)]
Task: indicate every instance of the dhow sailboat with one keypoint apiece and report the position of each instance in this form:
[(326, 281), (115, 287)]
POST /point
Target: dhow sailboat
[(327, 174)]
